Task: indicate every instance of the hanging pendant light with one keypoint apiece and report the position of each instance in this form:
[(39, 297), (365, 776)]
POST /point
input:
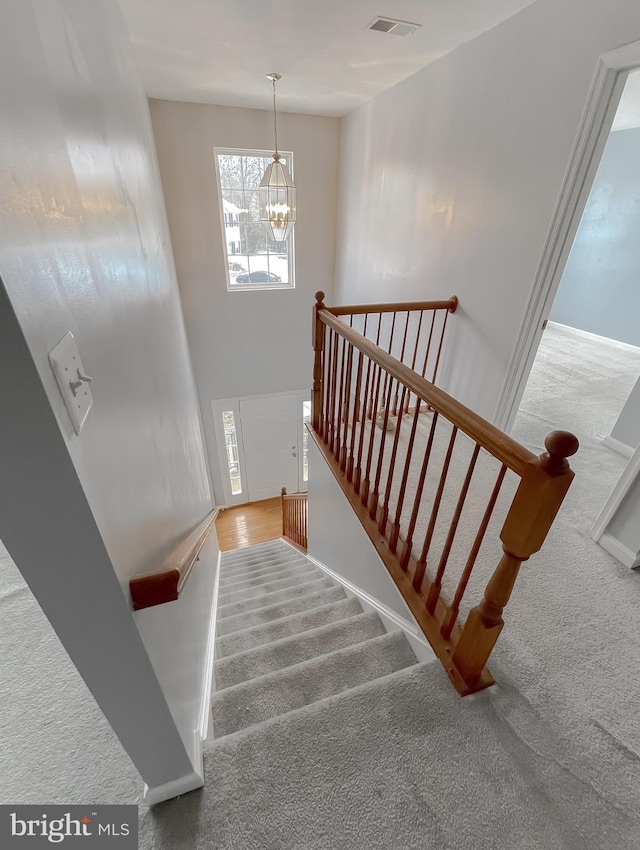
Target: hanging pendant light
[(277, 190)]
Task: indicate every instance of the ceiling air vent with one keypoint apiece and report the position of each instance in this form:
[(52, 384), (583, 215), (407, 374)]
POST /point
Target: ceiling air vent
[(389, 25)]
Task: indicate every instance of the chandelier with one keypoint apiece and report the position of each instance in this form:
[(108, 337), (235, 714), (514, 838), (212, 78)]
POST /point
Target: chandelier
[(277, 192)]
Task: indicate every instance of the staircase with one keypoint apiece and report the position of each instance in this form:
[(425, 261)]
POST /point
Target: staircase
[(289, 637)]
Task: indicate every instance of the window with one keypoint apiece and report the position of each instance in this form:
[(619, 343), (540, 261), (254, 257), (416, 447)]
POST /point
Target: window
[(231, 443), (306, 418), (253, 261)]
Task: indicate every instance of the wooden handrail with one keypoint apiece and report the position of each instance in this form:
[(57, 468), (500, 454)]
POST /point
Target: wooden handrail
[(292, 497), (353, 396), (499, 444), (167, 584), (451, 304), (295, 518)]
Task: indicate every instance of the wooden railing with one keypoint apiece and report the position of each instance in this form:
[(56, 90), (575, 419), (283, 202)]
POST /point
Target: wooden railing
[(166, 584), (295, 519), (413, 332), (428, 479)]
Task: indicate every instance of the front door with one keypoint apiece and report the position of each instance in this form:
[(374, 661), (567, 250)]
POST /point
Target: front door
[(270, 438)]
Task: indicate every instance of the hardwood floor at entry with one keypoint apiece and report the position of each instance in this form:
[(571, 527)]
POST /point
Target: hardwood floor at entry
[(245, 525)]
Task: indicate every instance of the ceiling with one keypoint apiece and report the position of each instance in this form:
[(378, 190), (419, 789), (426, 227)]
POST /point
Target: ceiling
[(218, 51)]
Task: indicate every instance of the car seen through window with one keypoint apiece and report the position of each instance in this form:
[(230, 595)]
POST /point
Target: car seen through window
[(258, 277)]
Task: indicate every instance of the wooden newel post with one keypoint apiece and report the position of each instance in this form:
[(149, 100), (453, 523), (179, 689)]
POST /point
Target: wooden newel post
[(542, 490), (317, 333)]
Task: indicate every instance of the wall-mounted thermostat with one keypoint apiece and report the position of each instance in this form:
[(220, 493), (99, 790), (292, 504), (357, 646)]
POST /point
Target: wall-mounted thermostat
[(72, 380)]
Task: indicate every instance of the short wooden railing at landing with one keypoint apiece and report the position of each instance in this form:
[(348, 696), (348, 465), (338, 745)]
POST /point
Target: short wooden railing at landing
[(376, 364), (295, 519)]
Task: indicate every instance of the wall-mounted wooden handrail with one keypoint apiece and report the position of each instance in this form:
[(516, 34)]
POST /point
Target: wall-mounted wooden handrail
[(507, 450), (167, 584), (451, 304)]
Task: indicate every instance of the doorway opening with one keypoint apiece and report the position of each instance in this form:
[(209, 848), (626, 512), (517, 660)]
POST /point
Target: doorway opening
[(262, 445), (585, 375)]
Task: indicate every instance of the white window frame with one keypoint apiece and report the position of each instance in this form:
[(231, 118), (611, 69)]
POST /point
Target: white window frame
[(218, 407), (252, 287), (303, 396)]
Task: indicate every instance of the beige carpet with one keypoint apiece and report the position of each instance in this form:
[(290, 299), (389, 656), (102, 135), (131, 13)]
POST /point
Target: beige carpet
[(55, 744)]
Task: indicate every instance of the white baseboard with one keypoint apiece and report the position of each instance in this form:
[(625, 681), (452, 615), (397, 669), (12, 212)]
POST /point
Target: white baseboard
[(625, 346), (619, 551), (392, 620), (617, 446), (208, 681)]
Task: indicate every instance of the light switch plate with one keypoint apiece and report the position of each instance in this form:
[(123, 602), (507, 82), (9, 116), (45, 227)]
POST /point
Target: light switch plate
[(72, 380)]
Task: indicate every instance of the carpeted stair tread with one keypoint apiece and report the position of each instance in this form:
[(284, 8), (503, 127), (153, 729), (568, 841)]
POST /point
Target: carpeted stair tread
[(426, 671), (249, 638), (255, 554), (244, 594), (286, 608), (276, 543), (277, 693), (264, 569), (399, 762), (286, 779), (274, 597), (257, 581), (292, 650), (230, 567)]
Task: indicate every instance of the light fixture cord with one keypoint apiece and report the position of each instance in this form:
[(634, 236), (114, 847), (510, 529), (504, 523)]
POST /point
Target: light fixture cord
[(275, 123)]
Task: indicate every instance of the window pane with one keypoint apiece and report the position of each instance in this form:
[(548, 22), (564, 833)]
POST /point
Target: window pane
[(252, 258), (231, 442), (306, 417)]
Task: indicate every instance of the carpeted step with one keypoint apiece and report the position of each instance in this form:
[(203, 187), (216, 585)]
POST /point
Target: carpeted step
[(272, 598), (248, 638), (283, 571), (347, 772), (261, 616), (286, 690), (269, 558), (277, 542), (292, 650), (253, 554), (269, 587), (263, 569), (399, 762)]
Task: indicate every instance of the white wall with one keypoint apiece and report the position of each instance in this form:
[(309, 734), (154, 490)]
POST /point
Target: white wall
[(84, 247), (449, 180), (627, 427), (49, 530), (245, 343), (624, 526), (338, 540), (599, 291)]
